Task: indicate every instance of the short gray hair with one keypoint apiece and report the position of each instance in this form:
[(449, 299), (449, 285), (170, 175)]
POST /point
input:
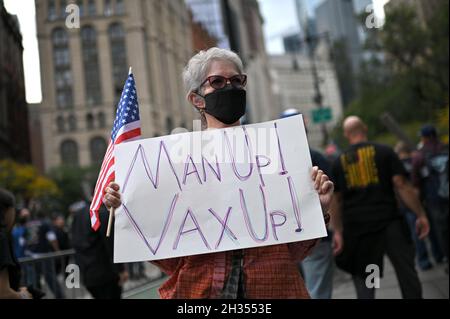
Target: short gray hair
[(195, 71)]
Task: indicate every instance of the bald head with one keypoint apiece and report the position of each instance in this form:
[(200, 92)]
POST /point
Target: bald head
[(354, 129)]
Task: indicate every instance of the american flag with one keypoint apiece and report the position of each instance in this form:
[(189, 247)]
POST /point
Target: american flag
[(126, 127)]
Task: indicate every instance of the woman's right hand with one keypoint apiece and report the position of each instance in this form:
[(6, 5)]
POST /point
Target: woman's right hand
[(24, 293), (112, 196)]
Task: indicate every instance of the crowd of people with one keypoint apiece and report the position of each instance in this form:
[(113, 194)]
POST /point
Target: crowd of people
[(44, 245), (376, 202), (371, 185), (387, 202)]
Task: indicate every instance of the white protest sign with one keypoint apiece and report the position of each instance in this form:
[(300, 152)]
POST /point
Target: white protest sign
[(215, 190)]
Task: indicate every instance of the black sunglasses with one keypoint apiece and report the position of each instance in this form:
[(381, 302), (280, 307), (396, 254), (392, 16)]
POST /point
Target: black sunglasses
[(219, 82)]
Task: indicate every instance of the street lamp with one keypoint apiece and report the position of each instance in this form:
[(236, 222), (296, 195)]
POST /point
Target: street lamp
[(310, 40), (318, 97)]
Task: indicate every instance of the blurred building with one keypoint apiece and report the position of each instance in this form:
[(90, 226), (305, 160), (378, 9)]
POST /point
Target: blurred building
[(208, 14), (244, 25), (293, 84), (84, 70), (293, 43), (201, 38), (340, 20), (360, 6), (237, 24), (14, 135), (34, 123)]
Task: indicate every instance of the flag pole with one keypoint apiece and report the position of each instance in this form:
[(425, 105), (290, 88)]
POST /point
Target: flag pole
[(112, 209), (111, 216)]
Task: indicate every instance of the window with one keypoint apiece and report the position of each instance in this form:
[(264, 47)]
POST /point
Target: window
[(63, 74), (91, 65), (119, 58), (92, 9), (89, 121), (51, 10), (64, 98), (97, 148), (120, 7), (62, 8), (69, 152), (72, 123), (62, 57), (60, 37), (80, 5), (63, 79), (101, 120), (108, 8), (60, 124)]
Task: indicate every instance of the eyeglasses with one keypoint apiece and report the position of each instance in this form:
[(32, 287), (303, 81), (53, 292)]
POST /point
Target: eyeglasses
[(219, 82)]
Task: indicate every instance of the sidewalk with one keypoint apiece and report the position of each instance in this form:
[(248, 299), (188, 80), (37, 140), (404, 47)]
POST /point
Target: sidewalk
[(435, 284)]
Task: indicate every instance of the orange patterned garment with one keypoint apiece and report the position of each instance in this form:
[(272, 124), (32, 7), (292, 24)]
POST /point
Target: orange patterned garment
[(269, 272)]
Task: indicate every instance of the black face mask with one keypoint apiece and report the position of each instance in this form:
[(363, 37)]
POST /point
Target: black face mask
[(227, 104)]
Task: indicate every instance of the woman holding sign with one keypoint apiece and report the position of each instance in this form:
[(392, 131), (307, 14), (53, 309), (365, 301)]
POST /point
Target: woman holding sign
[(216, 88)]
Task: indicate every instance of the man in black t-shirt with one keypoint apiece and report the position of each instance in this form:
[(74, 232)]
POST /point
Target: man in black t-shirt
[(366, 177)]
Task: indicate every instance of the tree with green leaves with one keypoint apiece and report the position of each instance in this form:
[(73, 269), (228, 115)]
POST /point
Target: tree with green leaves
[(27, 184), (407, 74), (76, 183)]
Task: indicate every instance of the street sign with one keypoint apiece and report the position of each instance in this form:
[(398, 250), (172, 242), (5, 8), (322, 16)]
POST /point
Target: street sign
[(322, 115)]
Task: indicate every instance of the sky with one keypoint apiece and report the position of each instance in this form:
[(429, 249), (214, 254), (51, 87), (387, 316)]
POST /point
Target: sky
[(279, 19), (26, 13)]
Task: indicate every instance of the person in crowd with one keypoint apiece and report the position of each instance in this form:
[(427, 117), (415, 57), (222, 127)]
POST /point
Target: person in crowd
[(62, 237), (9, 267), (20, 233), (404, 153), (42, 240), (332, 152), (94, 255), (430, 175), (317, 267), (215, 83), (366, 176)]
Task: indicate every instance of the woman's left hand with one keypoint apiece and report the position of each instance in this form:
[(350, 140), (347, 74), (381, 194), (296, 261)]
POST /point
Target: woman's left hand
[(324, 188)]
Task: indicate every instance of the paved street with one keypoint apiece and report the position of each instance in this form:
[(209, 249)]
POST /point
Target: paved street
[(435, 285)]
